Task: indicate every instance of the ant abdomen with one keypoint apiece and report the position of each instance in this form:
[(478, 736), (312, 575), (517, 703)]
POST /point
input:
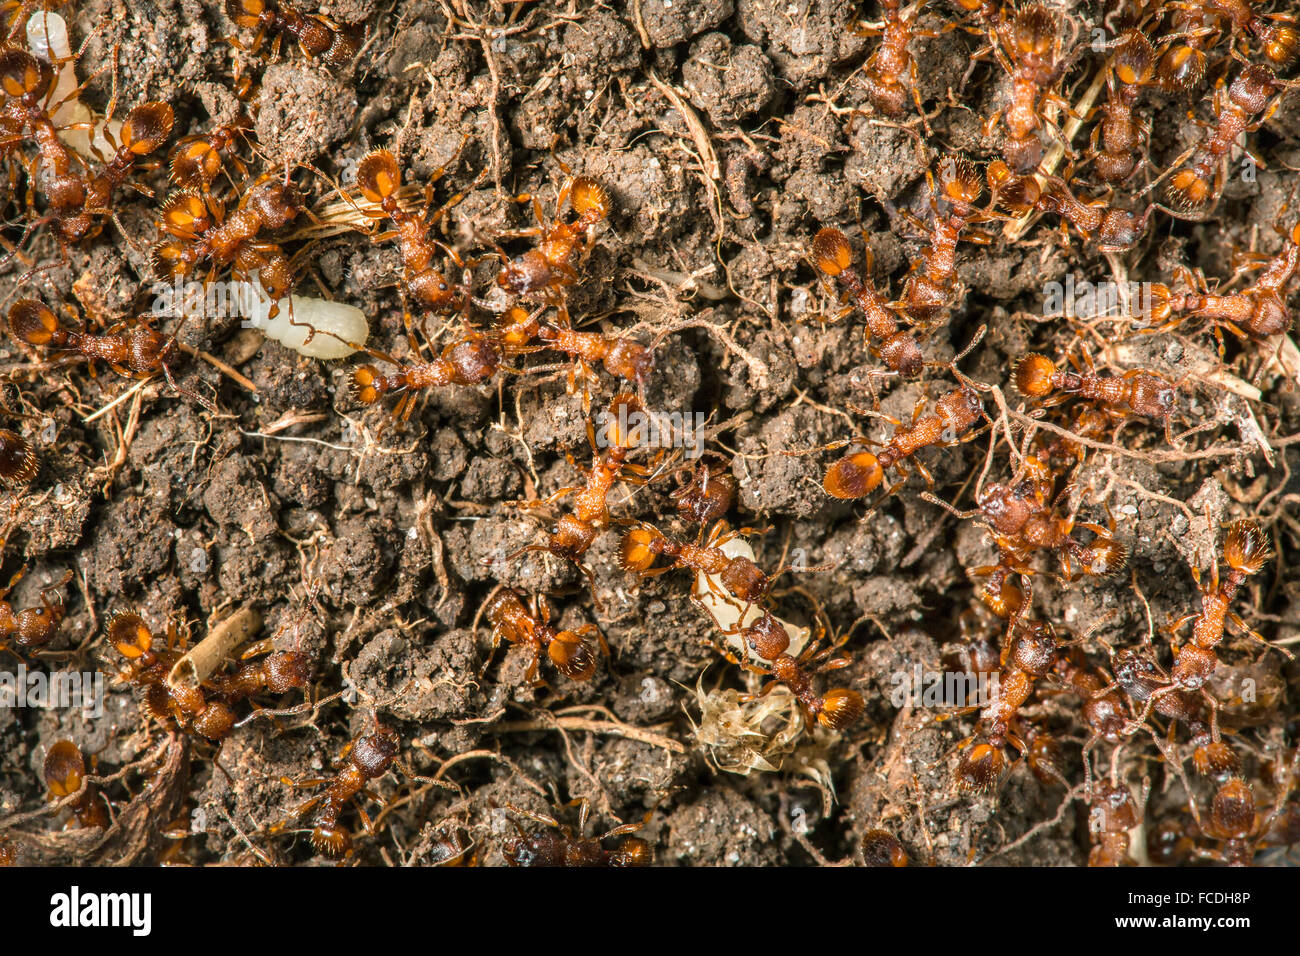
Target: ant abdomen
[(853, 476), (18, 462), (1246, 548), (841, 707)]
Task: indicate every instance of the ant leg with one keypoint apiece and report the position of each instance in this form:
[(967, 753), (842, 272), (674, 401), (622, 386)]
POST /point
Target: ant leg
[(1252, 634)]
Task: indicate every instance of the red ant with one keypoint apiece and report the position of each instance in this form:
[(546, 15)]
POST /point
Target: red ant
[(891, 63), (559, 847), (369, 757), (204, 233), (621, 356), (860, 473), (380, 179), (573, 534), (553, 263), (1245, 549), (1279, 38), (571, 652), (1028, 45), (144, 131), (471, 361), (184, 703), (32, 628), (1137, 390), (316, 35), (837, 709), (64, 771), (738, 575), (833, 257), (1033, 650), (138, 352), (932, 286), (1022, 517), (1120, 133), (1194, 188), (1257, 312), (197, 160)]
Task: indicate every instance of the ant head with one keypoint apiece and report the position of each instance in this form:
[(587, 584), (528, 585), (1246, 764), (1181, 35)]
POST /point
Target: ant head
[(707, 497), (474, 359), (853, 476), (64, 769), (286, 671), (277, 202), (589, 198), (18, 462), (831, 252), (526, 274), (378, 177), (1120, 230), (1246, 548), (129, 634), (33, 322), (375, 752), (23, 76), (766, 637), (1113, 808), (147, 127), (1034, 375)]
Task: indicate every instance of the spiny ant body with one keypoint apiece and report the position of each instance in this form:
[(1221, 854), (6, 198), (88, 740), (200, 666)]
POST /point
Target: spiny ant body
[(1194, 187), (572, 652), (553, 263), (379, 179), (898, 349), (184, 703), (202, 232), (471, 361), (858, 474), (318, 37), (64, 771)]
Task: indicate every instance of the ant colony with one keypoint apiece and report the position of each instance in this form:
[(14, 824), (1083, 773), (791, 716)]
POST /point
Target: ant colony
[(388, 402)]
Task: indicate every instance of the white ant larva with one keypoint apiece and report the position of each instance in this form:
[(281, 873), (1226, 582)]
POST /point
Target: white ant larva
[(47, 38), (711, 594), (316, 328)]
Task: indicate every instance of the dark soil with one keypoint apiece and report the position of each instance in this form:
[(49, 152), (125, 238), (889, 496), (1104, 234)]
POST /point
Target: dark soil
[(727, 132)]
